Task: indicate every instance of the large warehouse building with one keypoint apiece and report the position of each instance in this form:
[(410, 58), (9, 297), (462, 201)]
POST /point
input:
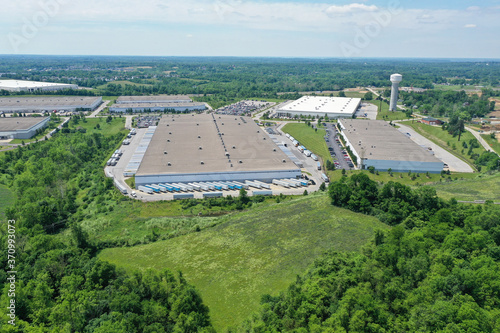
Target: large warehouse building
[(317, 106), (158, 107), (21, 127), (208, 147), (154, 99), (378, 144), (49, 104), (32, 86), (158, 103)]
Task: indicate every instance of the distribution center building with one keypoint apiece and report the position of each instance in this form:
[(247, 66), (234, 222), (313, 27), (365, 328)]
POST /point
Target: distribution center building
[(157, 107), (158, 103), (21, 127), (32, 86), (49, 104), (209, 147), (319, 106), (378, 144), (154, 99)]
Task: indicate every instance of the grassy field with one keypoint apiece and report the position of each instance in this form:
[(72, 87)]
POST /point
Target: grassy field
[(252, 253), (385, 114), (123, 83), (404, 178), (481, 187), (133, 222), (446, 140), (117, 125), (309, 138), (6, 199), (494, 144)]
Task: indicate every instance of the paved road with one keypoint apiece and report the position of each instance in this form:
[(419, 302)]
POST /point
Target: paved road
[(128, 122), (99, 109), (454, 163), (480, 139)]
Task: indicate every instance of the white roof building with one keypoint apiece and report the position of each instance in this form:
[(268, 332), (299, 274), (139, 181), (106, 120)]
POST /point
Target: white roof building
[(320, 106), (31, 86)]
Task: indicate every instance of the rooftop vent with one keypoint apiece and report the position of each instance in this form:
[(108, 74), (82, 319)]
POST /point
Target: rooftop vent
[(165, 152), (200, 148), (168, 140), (284, 161), (199, 137), (240, 161), (234, 147), (169, 164), (202, 162), (274, 149)]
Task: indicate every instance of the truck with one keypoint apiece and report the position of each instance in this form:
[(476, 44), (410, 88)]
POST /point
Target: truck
[(325, 178), (263, 192), (314, 157), (212, 194), (178, 196), (307, 153), (318, 165)]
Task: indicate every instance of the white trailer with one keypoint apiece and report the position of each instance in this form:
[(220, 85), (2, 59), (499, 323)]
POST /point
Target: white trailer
[(264, 185), (280, 183), (307, 153), (196, 187), (145, 189), (221, 185), (253, 184), (291, 183)]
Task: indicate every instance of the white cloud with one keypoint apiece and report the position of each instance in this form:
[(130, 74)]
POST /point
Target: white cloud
[(351, 8), (474, 8), (470, 26), (189, 36)]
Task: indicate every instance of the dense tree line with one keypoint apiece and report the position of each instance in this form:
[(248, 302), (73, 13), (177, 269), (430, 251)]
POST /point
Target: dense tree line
[(240, 77), (437, 271), (60, 285), (440, 103)]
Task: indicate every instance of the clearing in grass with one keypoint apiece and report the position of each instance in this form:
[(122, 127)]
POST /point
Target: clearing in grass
[(252, 253)]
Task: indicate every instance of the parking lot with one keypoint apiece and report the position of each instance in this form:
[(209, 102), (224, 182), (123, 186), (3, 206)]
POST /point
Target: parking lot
[(340, 156), (244, 108)]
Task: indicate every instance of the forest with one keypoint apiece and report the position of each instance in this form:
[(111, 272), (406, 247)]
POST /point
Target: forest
[(61, 285), (436, 270)]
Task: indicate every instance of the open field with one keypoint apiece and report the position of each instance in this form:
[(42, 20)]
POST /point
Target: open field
[(117, 125), (123, 84), (309, 138), (482, 187), (494, 143), (404, 178), (385, 114), (446, 140), (133, 222), (252, 253), (6, 199)]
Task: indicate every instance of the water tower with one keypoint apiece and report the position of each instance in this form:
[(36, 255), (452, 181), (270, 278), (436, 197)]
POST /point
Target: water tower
[(395, 79)]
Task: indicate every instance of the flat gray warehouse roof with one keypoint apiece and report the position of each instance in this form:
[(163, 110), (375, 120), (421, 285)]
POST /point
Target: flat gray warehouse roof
[(155, 105), (40, 102), (381, 141), (19, 123), (182, 136), (156, 98)]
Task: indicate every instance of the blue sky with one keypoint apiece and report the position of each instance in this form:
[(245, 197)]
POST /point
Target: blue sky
[(280, 28)]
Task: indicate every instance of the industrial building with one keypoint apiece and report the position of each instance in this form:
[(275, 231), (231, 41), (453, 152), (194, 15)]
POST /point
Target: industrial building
[(154, 99), (157, 107), (378, 144), (32, 86), (21, 127), (317, 106), (49, 104), (432, 121), (208, 148)]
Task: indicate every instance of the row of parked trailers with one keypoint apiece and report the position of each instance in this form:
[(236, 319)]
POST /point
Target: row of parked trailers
[(290, 182), (302, 149), (176, 188), (115, 158)]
